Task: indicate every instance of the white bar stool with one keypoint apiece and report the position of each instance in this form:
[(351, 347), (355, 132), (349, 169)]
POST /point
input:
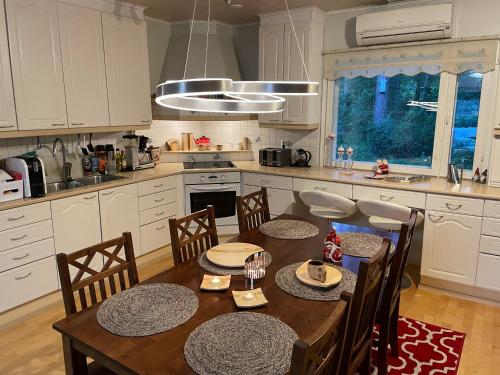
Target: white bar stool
[(327, 205), (386, 215)]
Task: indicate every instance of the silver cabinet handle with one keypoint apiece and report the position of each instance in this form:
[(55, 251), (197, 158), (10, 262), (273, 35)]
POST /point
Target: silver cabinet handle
[(453, 207), (435, 219), (6, 126), (59, 124), (77, 123), (23, 277), (160, 213), (319, 188), (15, 218), (109, 193), (157, 186), (21, 257), (288, 121), (159, 200), (160, 228), (19, 238), (148, 121), (89, 198), (275, 120), (385, 198)]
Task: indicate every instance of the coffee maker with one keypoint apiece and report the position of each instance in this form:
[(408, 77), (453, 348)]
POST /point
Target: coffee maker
[(136, 152)]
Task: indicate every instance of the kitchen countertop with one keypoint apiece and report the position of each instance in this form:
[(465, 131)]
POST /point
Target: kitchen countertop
[(435, 185)]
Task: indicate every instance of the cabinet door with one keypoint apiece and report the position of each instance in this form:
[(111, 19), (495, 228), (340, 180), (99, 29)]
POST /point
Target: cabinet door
[(271, 61), (293, 70), (36, 64), (76, 222), (8, 120), (451, 247), (83, 61), (127, 70), (495, 162), (120, 213)]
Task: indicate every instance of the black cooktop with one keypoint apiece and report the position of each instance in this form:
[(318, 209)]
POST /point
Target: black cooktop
[(208, 164)]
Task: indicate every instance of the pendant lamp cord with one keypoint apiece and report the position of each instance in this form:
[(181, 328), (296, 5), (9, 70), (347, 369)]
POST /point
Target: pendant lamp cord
[(206, 47), (189, 42), (297, 40)]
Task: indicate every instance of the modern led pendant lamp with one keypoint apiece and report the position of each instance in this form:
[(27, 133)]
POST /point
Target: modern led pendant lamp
[(223, 95)]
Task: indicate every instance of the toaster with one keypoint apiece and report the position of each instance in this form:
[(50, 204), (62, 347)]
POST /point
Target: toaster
[(33, 172), (275, 157)]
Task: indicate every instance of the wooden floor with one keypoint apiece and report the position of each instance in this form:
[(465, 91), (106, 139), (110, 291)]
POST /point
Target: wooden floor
[(32, 347)]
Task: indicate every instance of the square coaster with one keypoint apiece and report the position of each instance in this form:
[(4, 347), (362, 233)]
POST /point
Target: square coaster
[(215, 282), (246, 299)]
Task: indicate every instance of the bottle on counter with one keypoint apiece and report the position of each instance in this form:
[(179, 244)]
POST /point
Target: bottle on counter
[(87, 165), (124, 161), (118, 160), (100, 152), (110, 160)]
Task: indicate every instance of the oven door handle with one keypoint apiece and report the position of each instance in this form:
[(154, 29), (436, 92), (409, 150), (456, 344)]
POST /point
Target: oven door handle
[(217, 188)]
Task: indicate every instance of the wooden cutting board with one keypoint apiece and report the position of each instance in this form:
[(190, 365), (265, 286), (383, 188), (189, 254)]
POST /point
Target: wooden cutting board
[(232, 254)]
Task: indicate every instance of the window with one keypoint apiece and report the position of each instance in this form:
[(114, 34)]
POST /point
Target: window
[(391, 118)]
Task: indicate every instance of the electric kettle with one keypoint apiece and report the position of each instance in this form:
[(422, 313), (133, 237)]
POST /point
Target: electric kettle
[(304, 157)]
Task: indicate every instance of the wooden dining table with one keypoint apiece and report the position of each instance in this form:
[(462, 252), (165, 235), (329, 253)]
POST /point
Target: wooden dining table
[(164, 353)]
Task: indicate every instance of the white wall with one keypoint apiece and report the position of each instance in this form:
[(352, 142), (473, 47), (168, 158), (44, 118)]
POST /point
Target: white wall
[(158, 40), (472, 18)]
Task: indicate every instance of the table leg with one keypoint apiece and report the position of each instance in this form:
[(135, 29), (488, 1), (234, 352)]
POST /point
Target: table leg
[(74, 361)]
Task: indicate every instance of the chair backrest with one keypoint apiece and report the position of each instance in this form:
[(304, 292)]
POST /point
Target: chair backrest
[(372, 207), (117, 274), (193, 234), (253, 210), (363, 309), (392, 288), (328, 200), (321, 353)]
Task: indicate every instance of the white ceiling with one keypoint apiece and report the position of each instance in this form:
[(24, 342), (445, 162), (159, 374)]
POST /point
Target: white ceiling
[(180, 10)]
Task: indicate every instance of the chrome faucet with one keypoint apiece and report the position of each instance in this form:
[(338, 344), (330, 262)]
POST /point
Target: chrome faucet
[(66, 167), (217, 156)]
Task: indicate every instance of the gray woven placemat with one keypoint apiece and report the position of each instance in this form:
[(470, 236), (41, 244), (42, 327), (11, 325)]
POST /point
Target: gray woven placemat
[(287, 281), (363, 245), (289, 229), (241, 343), (147, 309), (218, 270)]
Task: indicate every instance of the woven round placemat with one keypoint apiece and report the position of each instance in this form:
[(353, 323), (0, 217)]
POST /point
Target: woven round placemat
[(219, 270), (147, 309), (287, 281), (289, 229), (241, 343), (363, 245)]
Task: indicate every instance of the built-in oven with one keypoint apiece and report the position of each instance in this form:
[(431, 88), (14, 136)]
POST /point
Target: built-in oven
[(217, 189)]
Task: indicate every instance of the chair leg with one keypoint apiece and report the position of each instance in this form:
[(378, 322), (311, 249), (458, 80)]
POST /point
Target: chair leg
[(393, 332), (383, 341)]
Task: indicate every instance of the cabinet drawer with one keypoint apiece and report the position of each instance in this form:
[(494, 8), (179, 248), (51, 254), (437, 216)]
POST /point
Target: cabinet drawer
[(492, 209), (402, 197), (280, 201), (490, 245), (158, 199), (344, 190), (12, 238), (154, 236), (455, 205), (268, 181), (491, 227), (26, 254), (18, 217), (158, 213), (27, 282), (155, 186), (488, 269)]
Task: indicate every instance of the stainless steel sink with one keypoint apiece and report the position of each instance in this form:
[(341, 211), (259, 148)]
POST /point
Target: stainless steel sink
[(81, 182)]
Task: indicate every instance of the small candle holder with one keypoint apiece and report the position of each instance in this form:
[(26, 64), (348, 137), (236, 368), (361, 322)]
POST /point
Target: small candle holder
[(255, 268)]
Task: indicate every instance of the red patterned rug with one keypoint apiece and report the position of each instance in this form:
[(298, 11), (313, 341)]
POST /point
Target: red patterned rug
[(424, 349)]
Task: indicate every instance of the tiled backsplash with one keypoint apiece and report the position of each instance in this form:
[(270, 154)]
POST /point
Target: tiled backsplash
[(230, 133)]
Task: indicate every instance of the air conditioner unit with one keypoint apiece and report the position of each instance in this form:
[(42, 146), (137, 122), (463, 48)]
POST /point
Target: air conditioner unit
[(405, 25)]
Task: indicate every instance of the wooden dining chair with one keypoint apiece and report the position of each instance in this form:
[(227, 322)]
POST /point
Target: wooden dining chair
[(322, 352), (388, 312), (253, 210), (358, 346), (92, 286), (193, 234)]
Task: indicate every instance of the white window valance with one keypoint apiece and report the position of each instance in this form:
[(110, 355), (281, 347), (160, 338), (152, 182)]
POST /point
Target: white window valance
[(446, 56)]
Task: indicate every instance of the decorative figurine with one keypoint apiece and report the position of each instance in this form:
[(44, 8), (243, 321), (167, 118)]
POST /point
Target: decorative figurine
[(382, 167), (348, 163), (329, 150), (340, 159), (333, 250), (477, 176)]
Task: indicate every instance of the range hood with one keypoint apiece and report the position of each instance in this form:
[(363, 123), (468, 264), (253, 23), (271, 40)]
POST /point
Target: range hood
[(222, 63)]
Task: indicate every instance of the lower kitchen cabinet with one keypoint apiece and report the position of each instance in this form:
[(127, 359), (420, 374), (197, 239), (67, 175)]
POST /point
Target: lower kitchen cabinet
[(280, 201), (451, 247), (155, 235), (119, 208), (488, 271), (76, 222)]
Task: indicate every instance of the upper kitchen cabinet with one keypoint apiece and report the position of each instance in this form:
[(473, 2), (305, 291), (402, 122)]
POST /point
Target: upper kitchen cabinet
[(280, 59), (7, 110), (36, 64), (127, 70), (83, 62)]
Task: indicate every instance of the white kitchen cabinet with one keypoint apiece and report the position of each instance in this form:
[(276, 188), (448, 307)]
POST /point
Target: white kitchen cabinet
[(451, 247), (76, 221), (37, 70), (8, 120), (119, 208), (84, 70), (488, 269), (155, 236), (280, 201), (494, 169), (127, 70), (344, 190)]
